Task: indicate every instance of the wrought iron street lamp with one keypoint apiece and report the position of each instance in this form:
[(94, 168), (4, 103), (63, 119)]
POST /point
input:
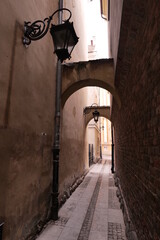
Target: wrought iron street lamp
[(63, 35), (95, 113)]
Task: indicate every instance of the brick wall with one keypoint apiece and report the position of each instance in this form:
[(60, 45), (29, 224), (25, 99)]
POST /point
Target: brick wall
[(137, 123)]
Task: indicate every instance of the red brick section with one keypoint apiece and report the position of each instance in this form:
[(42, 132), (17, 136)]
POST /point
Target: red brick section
[(137, 123)]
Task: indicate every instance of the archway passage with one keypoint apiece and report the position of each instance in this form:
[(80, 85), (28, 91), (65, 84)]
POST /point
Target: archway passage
[(98, 73), (104, 111)]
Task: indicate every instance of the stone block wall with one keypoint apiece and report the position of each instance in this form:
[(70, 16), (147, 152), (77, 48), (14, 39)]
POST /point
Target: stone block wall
[(137, 123)]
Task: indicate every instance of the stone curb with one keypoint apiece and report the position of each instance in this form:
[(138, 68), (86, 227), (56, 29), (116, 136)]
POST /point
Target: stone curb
[(67, 193)]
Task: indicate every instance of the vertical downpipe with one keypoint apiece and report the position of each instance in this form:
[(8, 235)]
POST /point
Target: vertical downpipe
[(112, 168), (1, 229), (56, 145)]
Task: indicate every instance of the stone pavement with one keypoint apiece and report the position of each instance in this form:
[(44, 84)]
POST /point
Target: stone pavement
[(92, 212)]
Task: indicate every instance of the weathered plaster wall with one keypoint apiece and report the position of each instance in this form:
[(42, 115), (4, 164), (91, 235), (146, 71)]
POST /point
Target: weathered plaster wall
[(98, 73), (73, 153), (137, 131), (27, 93)]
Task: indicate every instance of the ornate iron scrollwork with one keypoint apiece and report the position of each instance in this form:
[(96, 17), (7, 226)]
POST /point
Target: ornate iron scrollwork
[(38, 29)]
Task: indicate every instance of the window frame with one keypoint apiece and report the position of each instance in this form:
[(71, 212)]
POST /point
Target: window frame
[(105, 9)]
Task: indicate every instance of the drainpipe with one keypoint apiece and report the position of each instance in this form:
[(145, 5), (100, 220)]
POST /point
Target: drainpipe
[(56, 145), (112, 168), (1, 229)]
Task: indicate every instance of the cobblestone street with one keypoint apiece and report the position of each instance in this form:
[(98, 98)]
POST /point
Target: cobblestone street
[(92, 212)]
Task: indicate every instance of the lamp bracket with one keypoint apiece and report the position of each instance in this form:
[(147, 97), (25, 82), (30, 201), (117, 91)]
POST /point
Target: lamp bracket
[(38, 29), (87, 110)]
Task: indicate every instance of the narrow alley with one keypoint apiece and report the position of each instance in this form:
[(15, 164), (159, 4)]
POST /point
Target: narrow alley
[(80, 120), (92, 212)]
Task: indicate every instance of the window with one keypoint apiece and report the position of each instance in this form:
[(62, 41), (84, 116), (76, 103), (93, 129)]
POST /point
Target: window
[(105, 9)]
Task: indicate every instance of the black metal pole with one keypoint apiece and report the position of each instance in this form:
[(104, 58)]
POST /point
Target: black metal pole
[(112, 168), (100, 141), (1, 229), (56, 145), (56, 148), (100, 151)]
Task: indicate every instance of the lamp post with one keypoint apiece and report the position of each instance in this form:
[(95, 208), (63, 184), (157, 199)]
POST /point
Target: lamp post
[(64, 40), (63, 35)]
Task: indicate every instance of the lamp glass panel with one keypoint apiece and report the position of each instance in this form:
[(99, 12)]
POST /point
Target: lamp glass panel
[(64, 39), (96, 118), (59, 39)]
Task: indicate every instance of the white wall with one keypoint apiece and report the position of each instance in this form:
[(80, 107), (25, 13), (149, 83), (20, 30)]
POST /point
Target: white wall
[(97, 30), (79, 19)]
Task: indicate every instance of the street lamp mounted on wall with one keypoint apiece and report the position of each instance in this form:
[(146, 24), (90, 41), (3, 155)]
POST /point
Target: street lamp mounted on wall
[(95, 113), (63, 35)]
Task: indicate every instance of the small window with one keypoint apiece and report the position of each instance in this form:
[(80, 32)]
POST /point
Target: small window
[(105, 4)]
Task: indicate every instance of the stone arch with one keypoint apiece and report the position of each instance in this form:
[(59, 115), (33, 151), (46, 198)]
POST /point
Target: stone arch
[(104, 111), (98, 73)]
